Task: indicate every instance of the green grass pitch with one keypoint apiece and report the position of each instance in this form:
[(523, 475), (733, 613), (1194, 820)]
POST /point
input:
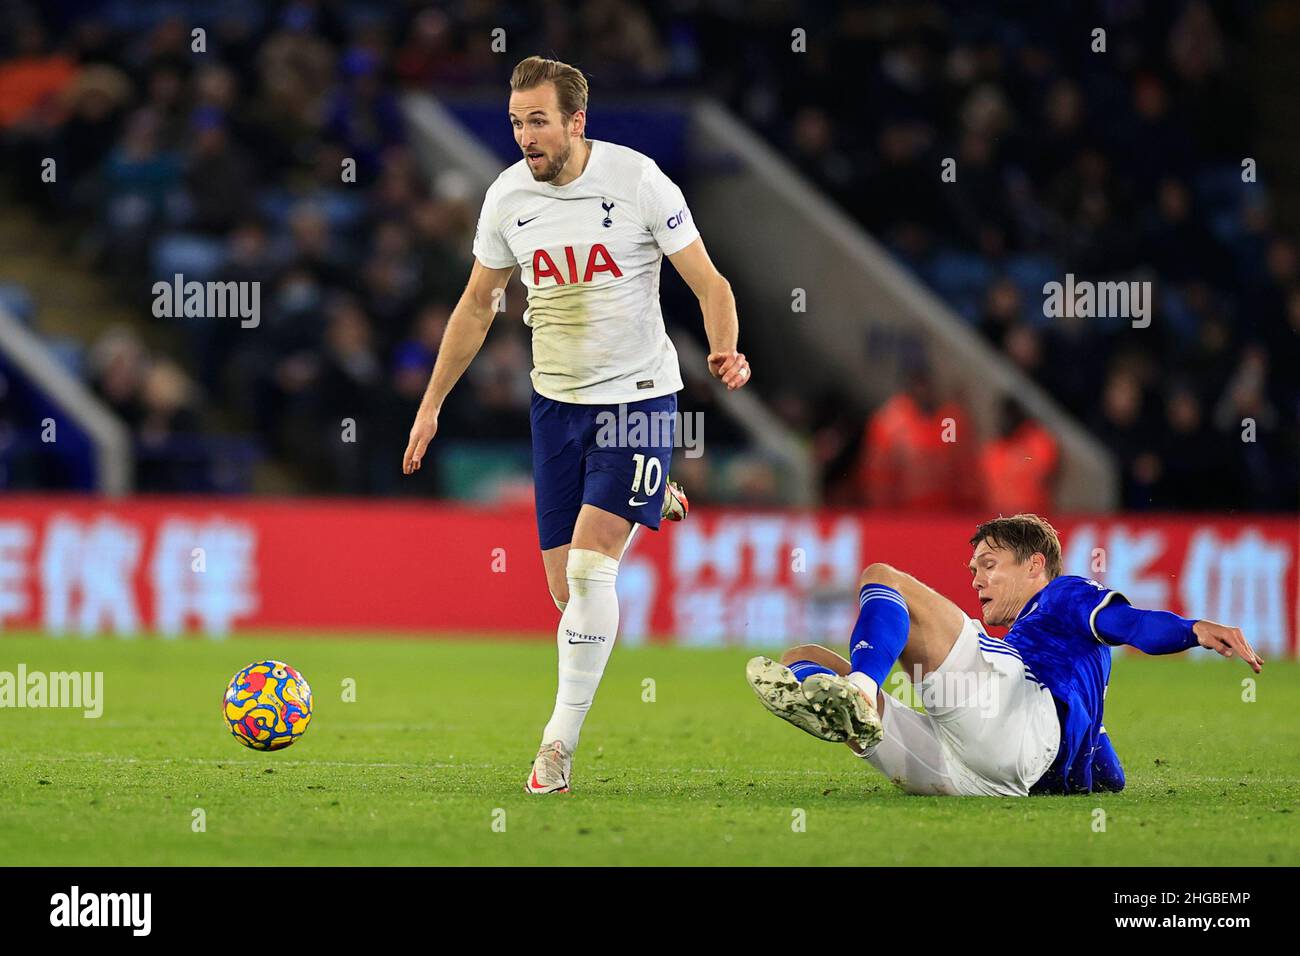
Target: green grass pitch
[(440, 737)]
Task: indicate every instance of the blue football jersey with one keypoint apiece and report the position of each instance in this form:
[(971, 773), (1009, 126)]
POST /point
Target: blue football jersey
[(1056, 636)]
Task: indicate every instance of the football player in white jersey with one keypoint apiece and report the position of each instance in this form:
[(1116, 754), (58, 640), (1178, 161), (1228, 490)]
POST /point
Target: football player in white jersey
[(587, 222)]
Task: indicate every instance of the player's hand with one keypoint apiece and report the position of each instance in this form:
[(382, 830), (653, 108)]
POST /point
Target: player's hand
[(422, 432), (732, 367), (1227, 641)]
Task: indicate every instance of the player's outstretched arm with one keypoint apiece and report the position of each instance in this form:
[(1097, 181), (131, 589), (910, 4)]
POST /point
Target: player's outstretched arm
[(1161, 632), (718, 304), (466, 330)]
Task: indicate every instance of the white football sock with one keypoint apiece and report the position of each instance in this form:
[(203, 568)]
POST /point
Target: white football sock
[(870, 688), (865, 684), (585, 638), (628, 543)]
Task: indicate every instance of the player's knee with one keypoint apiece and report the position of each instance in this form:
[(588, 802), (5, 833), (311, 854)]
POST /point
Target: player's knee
[(558, 585), (586, 566), (881, 573)]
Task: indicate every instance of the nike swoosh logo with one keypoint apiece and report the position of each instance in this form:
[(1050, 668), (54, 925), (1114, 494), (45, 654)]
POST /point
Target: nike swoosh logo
[(524, 222), (637, 504), (572, 641)]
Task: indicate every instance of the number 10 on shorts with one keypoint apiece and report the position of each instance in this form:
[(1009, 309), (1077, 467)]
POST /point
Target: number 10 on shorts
[(652, 471)]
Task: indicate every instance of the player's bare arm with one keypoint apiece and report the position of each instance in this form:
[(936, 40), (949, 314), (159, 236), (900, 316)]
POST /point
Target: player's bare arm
[(466, 330), (718, 305)]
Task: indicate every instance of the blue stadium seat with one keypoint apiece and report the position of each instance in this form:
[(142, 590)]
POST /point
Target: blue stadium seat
[(68, 352), (1178, 315), (197, 258), (1219, 188), (954, 273), (344, 210), (17, 300), (1030, 273)]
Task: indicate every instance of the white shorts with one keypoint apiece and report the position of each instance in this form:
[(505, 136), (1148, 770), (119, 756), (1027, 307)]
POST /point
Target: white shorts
[(990, 727)]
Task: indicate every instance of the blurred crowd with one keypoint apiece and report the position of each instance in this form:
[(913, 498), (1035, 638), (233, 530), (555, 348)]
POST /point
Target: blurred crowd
[(229, 167), (226, 166), (1122, 164)]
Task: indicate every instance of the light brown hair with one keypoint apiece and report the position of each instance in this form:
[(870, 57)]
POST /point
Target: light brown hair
[(570, 84), (1023, 535)]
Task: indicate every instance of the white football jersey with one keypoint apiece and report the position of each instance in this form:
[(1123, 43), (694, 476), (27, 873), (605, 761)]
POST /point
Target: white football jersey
[(589, 253)]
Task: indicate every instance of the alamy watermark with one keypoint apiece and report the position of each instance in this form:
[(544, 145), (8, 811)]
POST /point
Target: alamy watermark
[(77, 689), (980, 690), (637, 429), (1101, 300), (75, 908), (208, 300)]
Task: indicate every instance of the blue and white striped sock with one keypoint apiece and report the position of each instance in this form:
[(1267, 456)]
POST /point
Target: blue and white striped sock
[(879, 635), (805, 669)]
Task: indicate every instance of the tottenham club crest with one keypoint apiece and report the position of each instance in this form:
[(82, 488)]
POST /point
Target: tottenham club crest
[(607, 222)]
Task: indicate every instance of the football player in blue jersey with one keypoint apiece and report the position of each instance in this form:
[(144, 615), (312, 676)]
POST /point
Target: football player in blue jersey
[(1007, 717)]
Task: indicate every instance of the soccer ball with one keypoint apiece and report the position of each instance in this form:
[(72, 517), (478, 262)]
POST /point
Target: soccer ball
[(267, 705)]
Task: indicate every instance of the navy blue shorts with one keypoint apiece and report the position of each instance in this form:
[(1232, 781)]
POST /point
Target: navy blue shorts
[(615, 457)]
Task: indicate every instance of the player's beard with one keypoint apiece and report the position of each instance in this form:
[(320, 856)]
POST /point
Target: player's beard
[(552, 169)]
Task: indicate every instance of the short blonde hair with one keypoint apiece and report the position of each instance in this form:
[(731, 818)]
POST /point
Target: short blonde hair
[(570, 84)]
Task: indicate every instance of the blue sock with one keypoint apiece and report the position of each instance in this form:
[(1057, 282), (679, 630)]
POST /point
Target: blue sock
[(880, 633), (805, 669)]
